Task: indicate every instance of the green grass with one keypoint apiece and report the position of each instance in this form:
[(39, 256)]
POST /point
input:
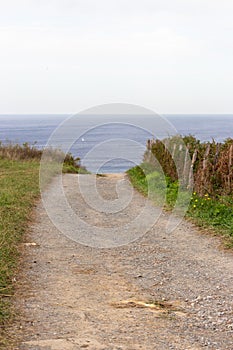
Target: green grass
[(19, 187), (213, 213), (70, 169), (159, 188), (138, 179)]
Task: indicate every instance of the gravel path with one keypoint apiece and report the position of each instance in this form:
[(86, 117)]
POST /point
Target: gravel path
[(163, 291)]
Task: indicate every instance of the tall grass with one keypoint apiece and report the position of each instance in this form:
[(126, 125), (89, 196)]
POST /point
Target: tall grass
[(212, 163), (27, 152)]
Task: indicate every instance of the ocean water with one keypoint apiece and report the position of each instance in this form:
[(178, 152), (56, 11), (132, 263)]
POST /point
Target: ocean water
[(109, 147)]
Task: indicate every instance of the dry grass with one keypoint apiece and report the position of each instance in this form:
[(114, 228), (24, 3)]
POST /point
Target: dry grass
[(212, 162)]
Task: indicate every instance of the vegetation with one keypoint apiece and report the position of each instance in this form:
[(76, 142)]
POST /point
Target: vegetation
[(212, 163), (19, 188), (213, 212), (211, 202), (26, 152)]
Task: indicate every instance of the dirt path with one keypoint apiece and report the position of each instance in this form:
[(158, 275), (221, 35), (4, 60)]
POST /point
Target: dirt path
[(161, 292)]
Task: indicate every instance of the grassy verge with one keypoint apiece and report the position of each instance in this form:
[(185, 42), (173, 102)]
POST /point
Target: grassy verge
[(19, 187), (213, 213)]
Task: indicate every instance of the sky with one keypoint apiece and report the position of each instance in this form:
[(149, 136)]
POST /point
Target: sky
[(63, 56)]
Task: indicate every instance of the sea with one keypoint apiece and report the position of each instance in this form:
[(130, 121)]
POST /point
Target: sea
[(106, 144)]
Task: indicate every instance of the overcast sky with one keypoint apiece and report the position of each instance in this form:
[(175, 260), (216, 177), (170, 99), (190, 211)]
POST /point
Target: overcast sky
[(62, 56)]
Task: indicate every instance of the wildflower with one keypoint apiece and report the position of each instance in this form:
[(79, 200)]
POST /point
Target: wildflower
[(208, 198), (194, 206), (206, 195), (194, 193), (196, 200)]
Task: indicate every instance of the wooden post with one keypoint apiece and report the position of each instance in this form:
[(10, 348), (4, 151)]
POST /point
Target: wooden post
[(216, 155), (204, 166), (205, 161), (194, 158), (174, 151), (186, 161), (230, 168), (149, 145)]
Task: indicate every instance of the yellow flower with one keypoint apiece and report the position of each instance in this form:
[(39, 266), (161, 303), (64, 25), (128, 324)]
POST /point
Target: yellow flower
[(194, 193), (196, 200), (206, 195), (194, 206), (208, 198)]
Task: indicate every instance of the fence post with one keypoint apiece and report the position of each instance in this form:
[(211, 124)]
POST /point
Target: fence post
[(186, 169), (230, 167), (204, 166), (191, 175), (174, 151)]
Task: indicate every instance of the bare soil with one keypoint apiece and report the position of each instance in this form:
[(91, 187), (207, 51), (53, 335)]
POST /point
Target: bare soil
[(162, 291)]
